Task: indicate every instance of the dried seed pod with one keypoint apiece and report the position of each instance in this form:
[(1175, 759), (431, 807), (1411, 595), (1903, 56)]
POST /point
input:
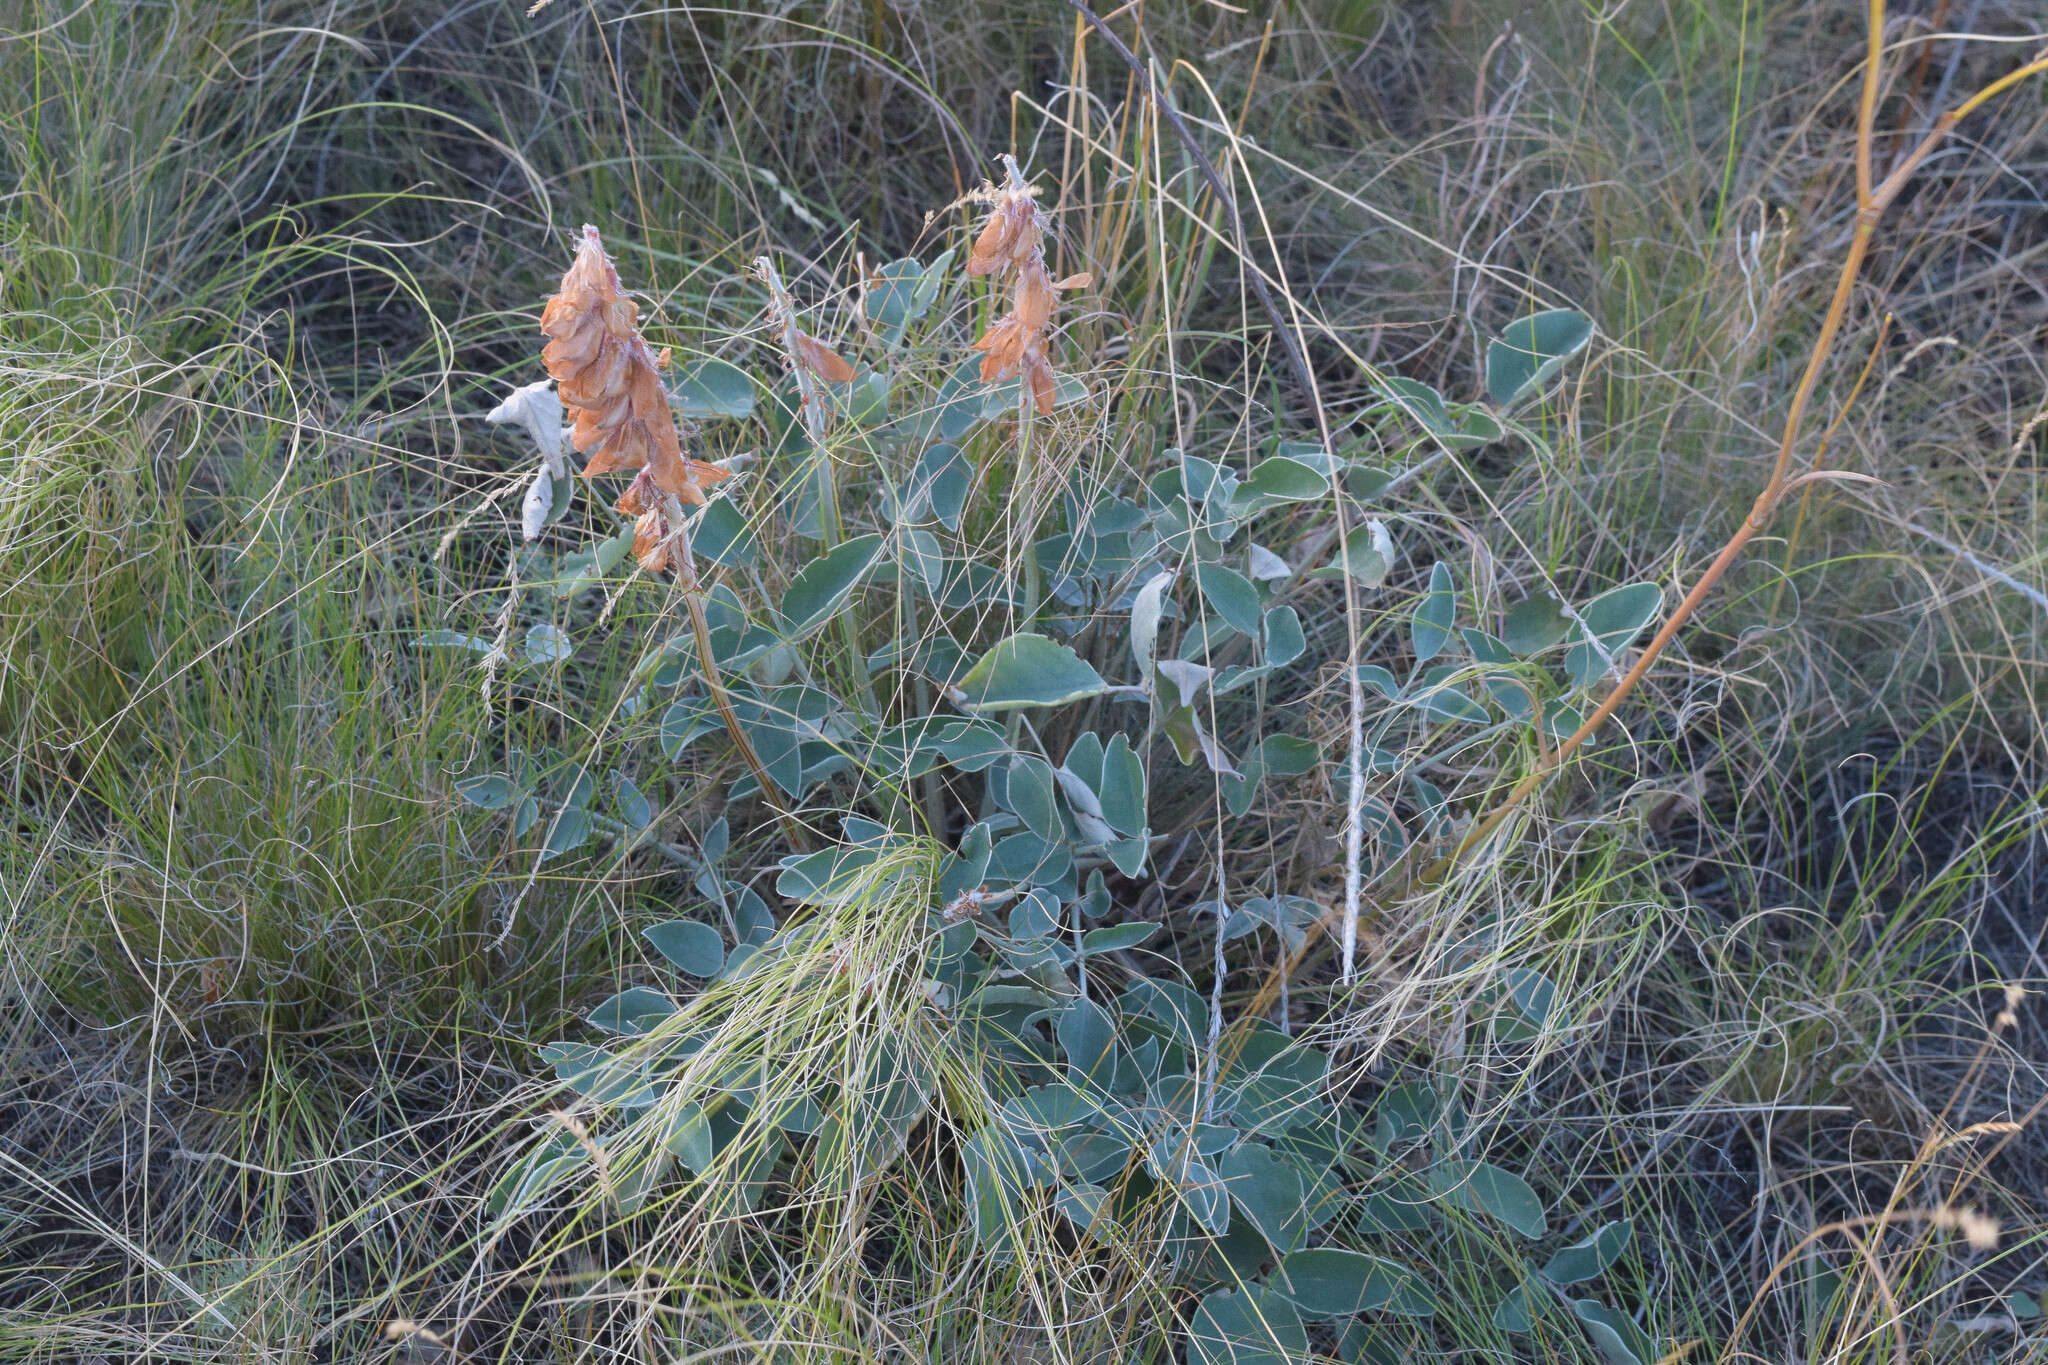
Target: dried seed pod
[(810, 360), (609, 379)]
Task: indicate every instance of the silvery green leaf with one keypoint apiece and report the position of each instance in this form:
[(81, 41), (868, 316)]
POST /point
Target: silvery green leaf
[(545, 644), (1530, 350), (539, 501), (454, 639), (1145, 610), (490, 790), (1187, 677), (1081, 797), (1369, 553), (1028, 670), (1267, 566), (535, 408)]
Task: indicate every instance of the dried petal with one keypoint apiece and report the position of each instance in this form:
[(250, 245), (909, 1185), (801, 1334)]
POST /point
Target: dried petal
[(651, 540), (1038, 377), (1033, 306), (992, 246), (821, 360)]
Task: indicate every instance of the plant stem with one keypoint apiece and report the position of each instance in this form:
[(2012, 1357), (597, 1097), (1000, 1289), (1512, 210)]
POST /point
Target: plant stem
[(715, 685), (1022, 498), (1026, 502)]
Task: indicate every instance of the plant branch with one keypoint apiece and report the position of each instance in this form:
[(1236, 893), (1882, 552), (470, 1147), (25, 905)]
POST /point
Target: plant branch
[(1872, 200), (715, 685)]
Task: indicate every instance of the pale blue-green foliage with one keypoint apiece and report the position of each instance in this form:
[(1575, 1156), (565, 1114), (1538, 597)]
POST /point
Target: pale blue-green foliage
[(1115, 1100)]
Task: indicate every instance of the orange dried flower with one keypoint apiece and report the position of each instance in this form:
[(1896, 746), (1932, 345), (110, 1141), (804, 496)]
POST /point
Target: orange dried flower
[(1012, 247), (609, 380)]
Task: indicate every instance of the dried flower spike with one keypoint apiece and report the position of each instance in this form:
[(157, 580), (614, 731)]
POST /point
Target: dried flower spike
[(609, 380), (1011, 248)]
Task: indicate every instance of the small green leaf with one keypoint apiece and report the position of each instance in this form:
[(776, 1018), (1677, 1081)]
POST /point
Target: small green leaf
[(1289, 755), (1031, 796), (1615, 618), (722, 535), (634, 1010), (1334, 1283), (900, 293), (1530, 350), (454, 639), (1431, 628), (714, 388), (919, 552), (1029, 670), (1284, 640), (546, 644), (1368, 553), (1123, 788), (1271, 1191), (1035, 915), (1583, 1260), (1432, 691), (1517, 1312), (1248, 1326), (1619, 1340), (694, 947), (687, 1136), (1231, 594), (1561, 719), (998, 1172), (490, 790), (826, 877), (939, 486), (1116, 937), (1534, 995), (569, 832), (1147, 608), (1274, 481), (1084, 761), (821, 587), (1088, 1036), (597, 1075), (1486, 1188), (1129, 856), (1534, 624), (634, 807), (577, 571)]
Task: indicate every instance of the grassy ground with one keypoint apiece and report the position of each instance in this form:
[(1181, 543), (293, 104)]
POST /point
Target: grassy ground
[(271, 991)]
